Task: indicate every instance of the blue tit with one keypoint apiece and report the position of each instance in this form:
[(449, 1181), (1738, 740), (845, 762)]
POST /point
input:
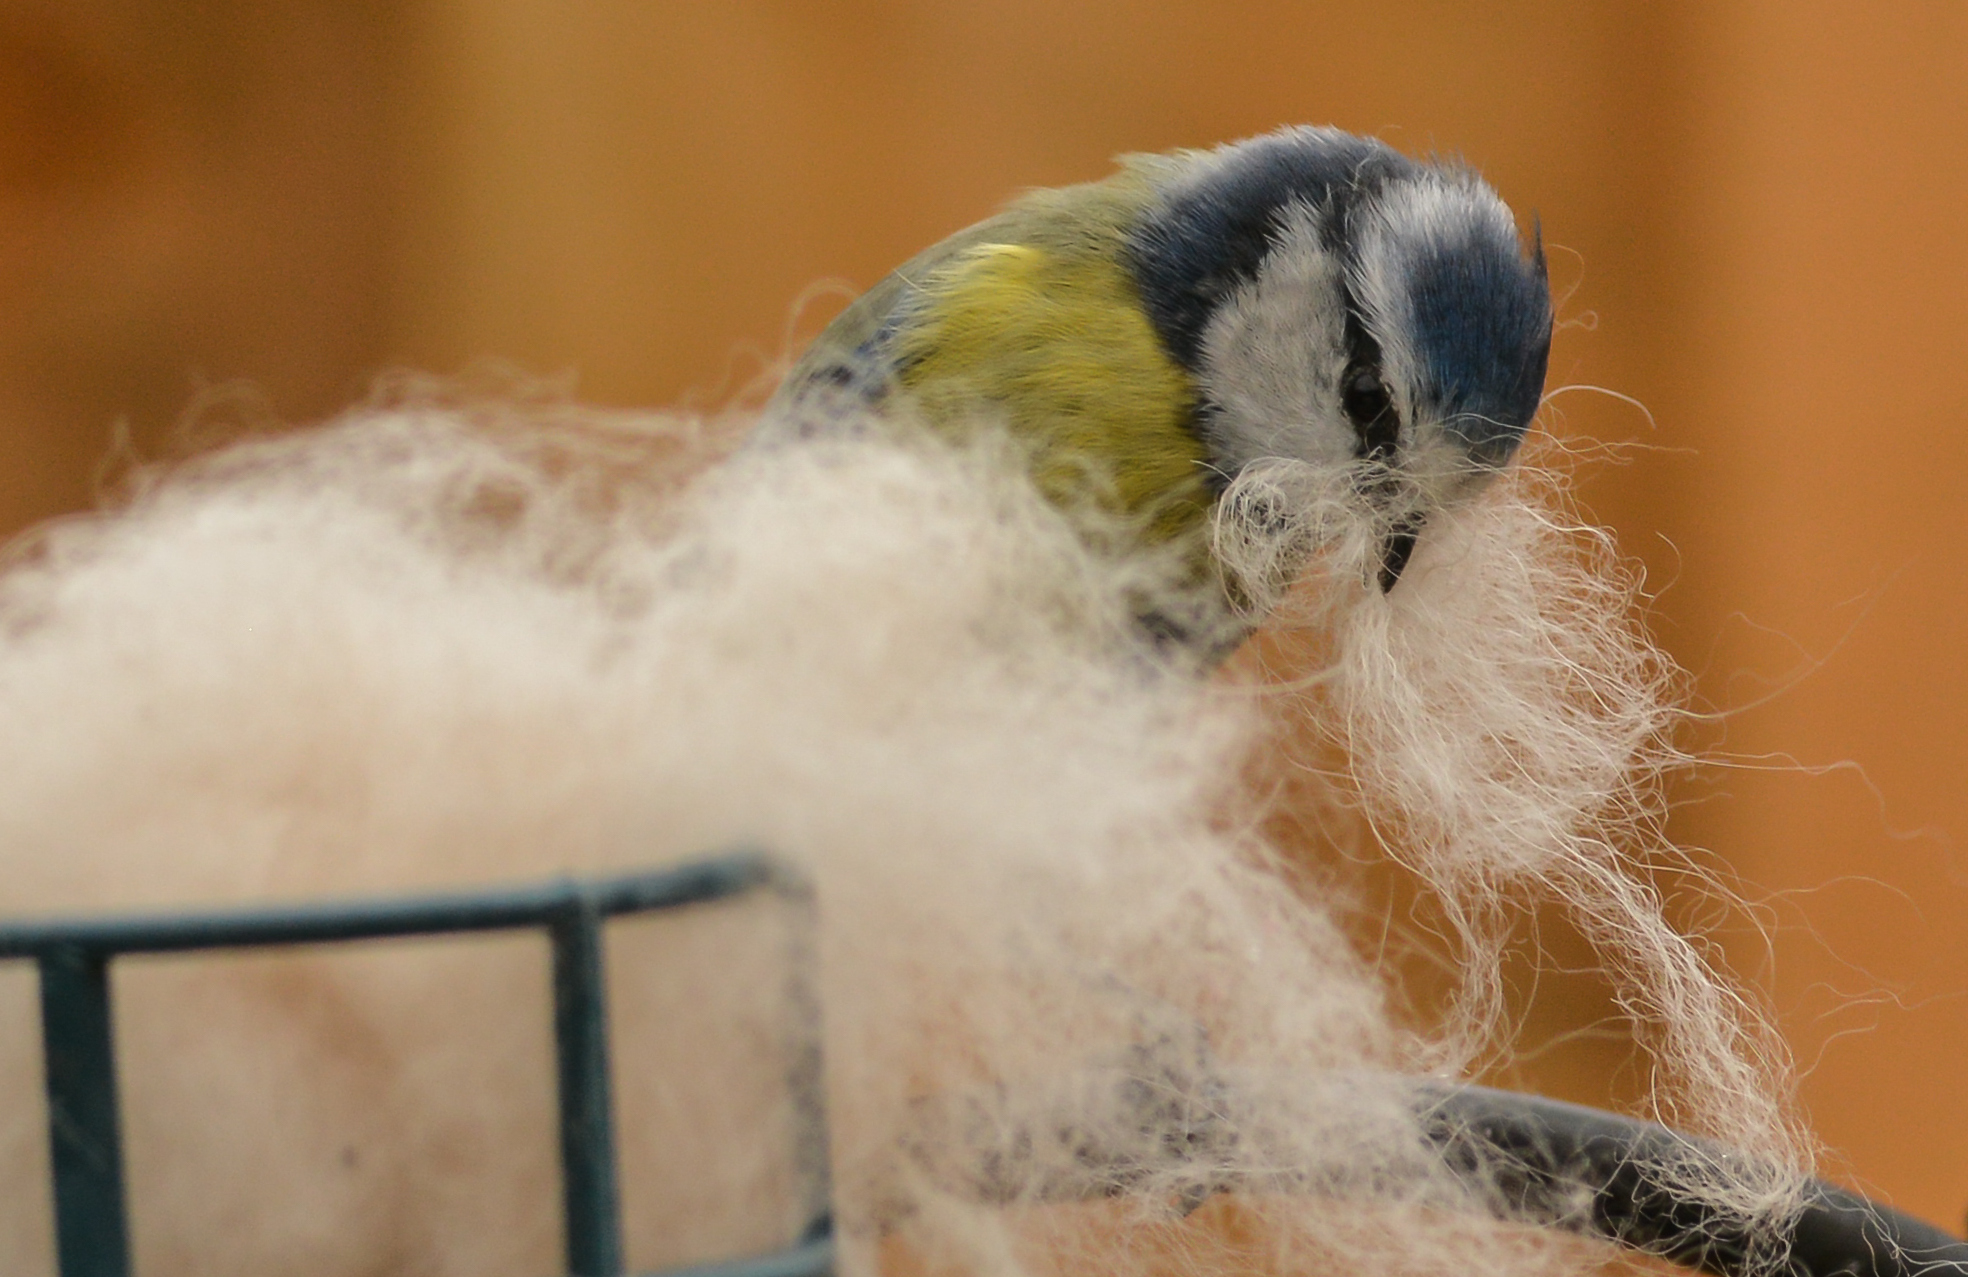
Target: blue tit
[(1306, 295)]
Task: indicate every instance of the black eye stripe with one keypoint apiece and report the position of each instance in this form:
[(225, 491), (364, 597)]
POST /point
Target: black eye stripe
[(1363, 394)]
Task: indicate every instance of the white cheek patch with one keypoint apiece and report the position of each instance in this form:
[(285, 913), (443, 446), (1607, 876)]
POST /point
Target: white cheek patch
[(1272, 357)]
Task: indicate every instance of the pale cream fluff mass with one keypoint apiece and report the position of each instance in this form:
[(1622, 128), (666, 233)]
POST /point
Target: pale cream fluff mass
[(447, 643)]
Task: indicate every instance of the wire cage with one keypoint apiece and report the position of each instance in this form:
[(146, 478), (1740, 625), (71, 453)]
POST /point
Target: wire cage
[(1545, 1163), (77, 1031)]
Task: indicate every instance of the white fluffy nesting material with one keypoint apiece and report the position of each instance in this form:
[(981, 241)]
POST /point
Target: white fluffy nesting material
[(446, 646)]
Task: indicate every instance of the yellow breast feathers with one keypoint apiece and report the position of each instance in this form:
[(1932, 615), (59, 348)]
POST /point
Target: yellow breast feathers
[(1052, 342)]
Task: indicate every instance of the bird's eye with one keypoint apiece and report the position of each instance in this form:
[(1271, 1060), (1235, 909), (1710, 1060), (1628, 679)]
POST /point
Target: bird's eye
[(1365, 400), (1363, 397)]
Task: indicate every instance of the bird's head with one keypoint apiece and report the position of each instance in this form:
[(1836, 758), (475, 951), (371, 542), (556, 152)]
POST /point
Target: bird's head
[(1343, 306)]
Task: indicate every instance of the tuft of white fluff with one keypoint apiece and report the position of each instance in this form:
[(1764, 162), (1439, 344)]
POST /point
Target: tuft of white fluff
[(1505, 725), (447, 645)]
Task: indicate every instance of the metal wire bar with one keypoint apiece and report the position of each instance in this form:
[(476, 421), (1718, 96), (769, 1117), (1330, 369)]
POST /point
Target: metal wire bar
[(1169, 1122), (590, 1202), (74, 957), (503, 909), (1566, 1166), (85, 1151)]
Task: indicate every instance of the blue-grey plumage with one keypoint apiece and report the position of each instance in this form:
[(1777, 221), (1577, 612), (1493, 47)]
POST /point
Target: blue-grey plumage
[(1307, 295)]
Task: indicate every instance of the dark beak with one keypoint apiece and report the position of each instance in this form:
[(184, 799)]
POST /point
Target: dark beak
[(1399, 548)]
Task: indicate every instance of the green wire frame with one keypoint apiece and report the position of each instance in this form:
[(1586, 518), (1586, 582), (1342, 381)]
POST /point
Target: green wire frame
[(1542, 1163), (77, 1035)]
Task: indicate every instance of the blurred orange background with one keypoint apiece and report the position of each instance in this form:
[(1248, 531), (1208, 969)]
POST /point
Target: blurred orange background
[(1758, 217)]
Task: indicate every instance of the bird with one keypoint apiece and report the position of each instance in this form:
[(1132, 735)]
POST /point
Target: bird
[(1307, 295)]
